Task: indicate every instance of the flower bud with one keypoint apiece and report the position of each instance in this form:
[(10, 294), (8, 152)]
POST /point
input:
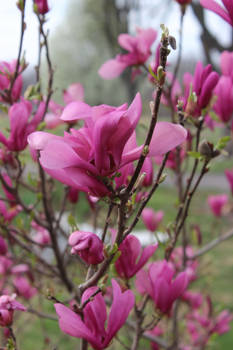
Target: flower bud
[(88, 246)]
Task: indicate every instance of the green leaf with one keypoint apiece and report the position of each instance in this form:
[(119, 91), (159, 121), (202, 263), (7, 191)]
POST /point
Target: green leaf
[(221, 144), (72, 223), (3, 108), (152, 73), (116, 256), (194, 154)]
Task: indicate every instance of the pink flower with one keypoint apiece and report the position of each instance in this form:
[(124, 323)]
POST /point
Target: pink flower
[(7, 306), (102, 147), (88, 246), (226, 63), (159, 283), (23, 287), (41, 235), (193, 298), (222, 322), (152, 219), (229, 176), (92, 326), (202, 323), (73, 195), (5, 264), (226, 13), (166, 289), (217, 203), (148, 169), (8, 213), (203, 83), (7, 71), (41, 6), (21, 125), (23, 280), (75, 92), (139, 49), (224, 104), (132, 257)]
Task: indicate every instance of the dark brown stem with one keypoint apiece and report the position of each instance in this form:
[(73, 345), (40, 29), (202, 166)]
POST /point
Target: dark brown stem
[(49, 63), (146, 199), (163, 60), (186, 210), (13, 337), (107, 221), (16, 73), (52, 233)]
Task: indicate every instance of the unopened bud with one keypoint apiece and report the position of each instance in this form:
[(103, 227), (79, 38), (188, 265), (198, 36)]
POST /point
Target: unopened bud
[(206, 149), (172, 42)]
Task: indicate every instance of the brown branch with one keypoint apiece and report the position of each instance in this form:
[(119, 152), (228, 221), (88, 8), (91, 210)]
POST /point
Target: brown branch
[(52, 233), (16, 73), (209, 246)]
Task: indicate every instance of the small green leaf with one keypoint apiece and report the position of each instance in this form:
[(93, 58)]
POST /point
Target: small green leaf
[(3, 108), (194, 154), (221, 144), (116, 256), (72, 223)]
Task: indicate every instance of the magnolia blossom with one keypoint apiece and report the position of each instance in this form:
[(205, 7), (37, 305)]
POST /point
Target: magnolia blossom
[(152, 219), (7, 71), (7, 306), (217, 203), (160, 284), (224, 104), (5, 264), (139, 48), (23, 287), (201, 324), (9, 212), (91, 326), (88, 246), (229, 176), (132, 257), (226, 13), (195, 299), (203, 83), (22, 281), (84, 158), (21, 125), (41, 235), (41, 6), (226, 64)]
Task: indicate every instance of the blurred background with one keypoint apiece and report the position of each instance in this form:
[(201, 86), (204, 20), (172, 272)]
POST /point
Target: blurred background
[(83, 34)]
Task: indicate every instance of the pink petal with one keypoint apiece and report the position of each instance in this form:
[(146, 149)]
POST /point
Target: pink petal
[(112, 69), (71, 323), (76, 111), (121, 307), (166, 136), (213, 6)]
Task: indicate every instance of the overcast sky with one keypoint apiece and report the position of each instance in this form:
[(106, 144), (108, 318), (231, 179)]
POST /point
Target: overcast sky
[(10, 28)]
